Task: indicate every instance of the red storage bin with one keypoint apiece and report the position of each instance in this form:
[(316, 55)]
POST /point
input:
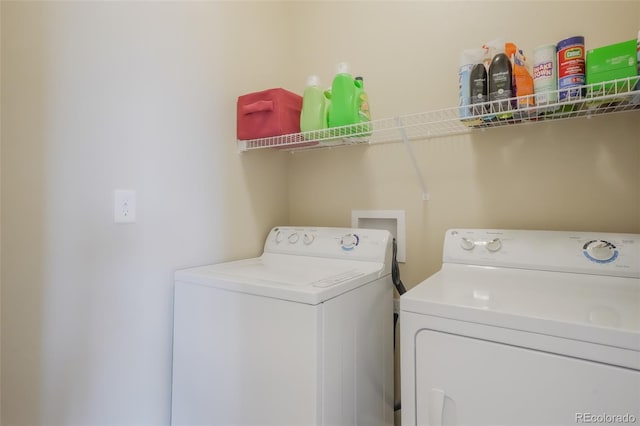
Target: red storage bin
[(272, 112)]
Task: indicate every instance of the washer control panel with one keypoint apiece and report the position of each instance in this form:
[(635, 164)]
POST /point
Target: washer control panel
[(583, 252), (348, 243)]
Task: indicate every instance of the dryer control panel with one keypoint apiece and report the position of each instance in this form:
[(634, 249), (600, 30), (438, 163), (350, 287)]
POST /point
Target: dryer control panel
[(563, 251), (344, 243)]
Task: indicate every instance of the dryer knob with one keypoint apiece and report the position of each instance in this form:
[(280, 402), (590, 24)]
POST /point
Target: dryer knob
[(467, 244), (293, 238), (494, 245), (279, 237), (308, 238)]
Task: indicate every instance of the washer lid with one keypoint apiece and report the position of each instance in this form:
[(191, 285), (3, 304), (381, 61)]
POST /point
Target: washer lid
[(589, 308), (302, 279)]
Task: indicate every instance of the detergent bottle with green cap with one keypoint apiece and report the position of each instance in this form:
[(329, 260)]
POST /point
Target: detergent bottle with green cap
[(327, 109), (636, 98), (364, 113), (313, 115), (344, 103)]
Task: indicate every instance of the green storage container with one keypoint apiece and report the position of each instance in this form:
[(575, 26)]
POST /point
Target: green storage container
[(613, 62)]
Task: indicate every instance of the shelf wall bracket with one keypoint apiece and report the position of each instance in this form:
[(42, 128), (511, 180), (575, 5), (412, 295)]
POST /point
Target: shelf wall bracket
[(412, 157)]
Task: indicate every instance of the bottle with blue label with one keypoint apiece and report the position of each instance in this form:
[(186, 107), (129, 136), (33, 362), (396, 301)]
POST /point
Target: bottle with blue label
[(469, 59)]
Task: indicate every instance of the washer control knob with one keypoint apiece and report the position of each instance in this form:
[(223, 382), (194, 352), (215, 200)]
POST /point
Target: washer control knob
[(467, 244), (349, 241), (494, 245), (308, 238), (600, 251), (293, 238), (279, 237)]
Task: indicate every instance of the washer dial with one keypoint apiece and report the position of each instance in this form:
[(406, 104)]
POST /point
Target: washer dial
[(467, 244), (600, 251), (349, 241)]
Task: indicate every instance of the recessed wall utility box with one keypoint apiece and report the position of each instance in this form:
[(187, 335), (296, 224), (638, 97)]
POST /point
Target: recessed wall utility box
[(390, 220)]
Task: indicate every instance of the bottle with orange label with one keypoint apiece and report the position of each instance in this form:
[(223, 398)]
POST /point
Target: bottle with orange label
[(522, 79)]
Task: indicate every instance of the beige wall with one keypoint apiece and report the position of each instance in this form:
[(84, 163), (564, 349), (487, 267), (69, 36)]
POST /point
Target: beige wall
[(104, 95), (581, 174)]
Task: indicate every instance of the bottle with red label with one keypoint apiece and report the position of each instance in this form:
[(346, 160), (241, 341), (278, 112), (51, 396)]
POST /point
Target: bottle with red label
[(571, 68)]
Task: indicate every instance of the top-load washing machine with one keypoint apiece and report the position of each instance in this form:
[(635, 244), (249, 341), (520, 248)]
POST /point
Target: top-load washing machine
[(524, 328), (301, 335)]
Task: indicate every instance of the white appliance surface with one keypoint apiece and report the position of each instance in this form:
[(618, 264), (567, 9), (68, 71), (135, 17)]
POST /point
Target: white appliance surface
[(524, 327), (299, 335), (290, 277)]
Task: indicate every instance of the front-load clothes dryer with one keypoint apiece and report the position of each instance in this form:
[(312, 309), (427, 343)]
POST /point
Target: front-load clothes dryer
[(301, 335), (524, 328)]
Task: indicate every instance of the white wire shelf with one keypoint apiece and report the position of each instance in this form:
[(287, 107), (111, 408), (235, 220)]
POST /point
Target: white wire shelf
[(609, 97)]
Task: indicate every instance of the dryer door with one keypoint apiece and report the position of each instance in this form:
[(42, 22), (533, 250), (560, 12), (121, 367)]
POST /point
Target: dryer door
[(467, 381)]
